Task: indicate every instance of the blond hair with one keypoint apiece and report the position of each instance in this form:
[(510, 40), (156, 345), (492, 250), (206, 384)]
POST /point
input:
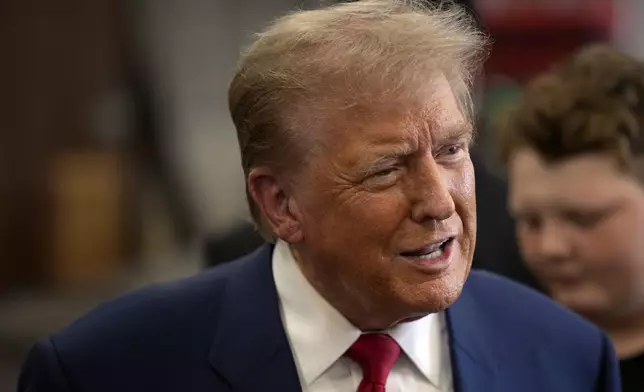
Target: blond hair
[(366, 54)]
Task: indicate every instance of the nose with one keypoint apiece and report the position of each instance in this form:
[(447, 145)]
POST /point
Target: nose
[(431, 192), (553, 245)]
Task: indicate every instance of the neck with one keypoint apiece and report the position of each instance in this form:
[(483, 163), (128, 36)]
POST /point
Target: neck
[(627, 335)]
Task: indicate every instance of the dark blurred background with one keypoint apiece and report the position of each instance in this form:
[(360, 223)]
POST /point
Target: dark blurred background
[(119, 164)]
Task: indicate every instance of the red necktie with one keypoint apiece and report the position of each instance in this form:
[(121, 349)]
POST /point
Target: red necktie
[(376, 354)]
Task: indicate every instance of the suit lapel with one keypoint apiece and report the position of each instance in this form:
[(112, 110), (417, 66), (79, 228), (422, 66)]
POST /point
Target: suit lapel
[(251, 350), (474, 346)]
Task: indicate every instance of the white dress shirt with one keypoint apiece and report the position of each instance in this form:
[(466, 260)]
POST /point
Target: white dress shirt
[(319, 336)]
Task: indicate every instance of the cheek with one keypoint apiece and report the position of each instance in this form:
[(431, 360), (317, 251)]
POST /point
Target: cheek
[(375, 214), (463, 190), (528, 247), (614, 247), (361, 216), (464, 180)]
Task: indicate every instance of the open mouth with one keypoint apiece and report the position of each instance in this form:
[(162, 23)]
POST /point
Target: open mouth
[(429, 252)]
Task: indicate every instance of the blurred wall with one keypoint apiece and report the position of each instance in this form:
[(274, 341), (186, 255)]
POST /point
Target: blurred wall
[(192, 48), (58, 60), (628, 30)]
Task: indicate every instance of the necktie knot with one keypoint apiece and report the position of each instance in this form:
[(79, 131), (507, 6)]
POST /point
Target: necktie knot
[(376, 354)]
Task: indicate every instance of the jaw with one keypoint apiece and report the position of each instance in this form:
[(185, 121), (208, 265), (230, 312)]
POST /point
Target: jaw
[(374, 298)]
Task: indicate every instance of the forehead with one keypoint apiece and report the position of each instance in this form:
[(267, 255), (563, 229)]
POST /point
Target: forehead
[(431, 112), (584, 180)]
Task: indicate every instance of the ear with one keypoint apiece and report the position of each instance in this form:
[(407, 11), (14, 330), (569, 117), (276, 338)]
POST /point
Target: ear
[(278, 208)]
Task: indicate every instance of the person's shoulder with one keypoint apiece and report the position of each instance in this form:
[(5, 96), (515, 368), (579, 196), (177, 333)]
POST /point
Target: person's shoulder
[(525, 313), (138, 336), (521, 303), (536, 336), (160, 312)]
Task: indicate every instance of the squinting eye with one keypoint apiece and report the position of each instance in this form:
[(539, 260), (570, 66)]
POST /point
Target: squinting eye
[(384, 173), (384, 178), (529, 221), (584, 220)]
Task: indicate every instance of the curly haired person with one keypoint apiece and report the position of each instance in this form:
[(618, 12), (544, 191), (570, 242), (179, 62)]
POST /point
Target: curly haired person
[(574, 148)]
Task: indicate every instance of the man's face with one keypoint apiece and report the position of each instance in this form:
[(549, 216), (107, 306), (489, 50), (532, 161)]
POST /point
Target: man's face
[(388, 213), (579, 225)]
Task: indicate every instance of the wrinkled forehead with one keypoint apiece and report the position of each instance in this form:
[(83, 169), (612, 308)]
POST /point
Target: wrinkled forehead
[(420, 98), (431, 109), (586, 180)]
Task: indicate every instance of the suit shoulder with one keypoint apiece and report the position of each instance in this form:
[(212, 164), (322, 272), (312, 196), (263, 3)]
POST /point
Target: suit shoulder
[(153, 338), (158, 311), (536, 334), (528, 310)]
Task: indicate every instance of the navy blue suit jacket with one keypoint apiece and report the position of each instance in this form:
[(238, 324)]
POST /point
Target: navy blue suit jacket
[(221, 331)]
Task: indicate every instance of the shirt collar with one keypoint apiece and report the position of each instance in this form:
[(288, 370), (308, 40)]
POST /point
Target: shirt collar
[(423, 341), (319, 335), (317, 332)]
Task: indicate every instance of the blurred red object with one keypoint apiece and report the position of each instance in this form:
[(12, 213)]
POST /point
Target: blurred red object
[(539, 14), (529, 35)]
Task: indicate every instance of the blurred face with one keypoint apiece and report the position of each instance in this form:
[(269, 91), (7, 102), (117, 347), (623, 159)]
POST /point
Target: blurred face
[(385, 207), (580, 225)]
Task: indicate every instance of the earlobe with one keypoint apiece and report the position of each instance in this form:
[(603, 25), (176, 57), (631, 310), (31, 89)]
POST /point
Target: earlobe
[(279, 210), (292, 231)]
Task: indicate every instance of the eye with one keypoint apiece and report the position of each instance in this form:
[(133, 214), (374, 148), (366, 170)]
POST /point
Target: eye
[(385, 172), (383, 178), (452, 152), (454, 149), (584, 219), (529, 221)]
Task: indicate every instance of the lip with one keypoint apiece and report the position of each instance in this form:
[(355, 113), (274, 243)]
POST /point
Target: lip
[(430, 244), (432, 264), (565, 280), (569, 273)]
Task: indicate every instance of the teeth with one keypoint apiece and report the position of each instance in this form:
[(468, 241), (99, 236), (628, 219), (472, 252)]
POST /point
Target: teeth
[(432, 255)]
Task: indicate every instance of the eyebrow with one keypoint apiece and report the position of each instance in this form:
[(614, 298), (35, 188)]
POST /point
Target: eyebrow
[(458, 132), (613, 205)]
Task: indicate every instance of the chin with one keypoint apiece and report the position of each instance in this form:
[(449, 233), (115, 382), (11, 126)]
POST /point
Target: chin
[(589, 304), (589, 309), (437, 295)]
